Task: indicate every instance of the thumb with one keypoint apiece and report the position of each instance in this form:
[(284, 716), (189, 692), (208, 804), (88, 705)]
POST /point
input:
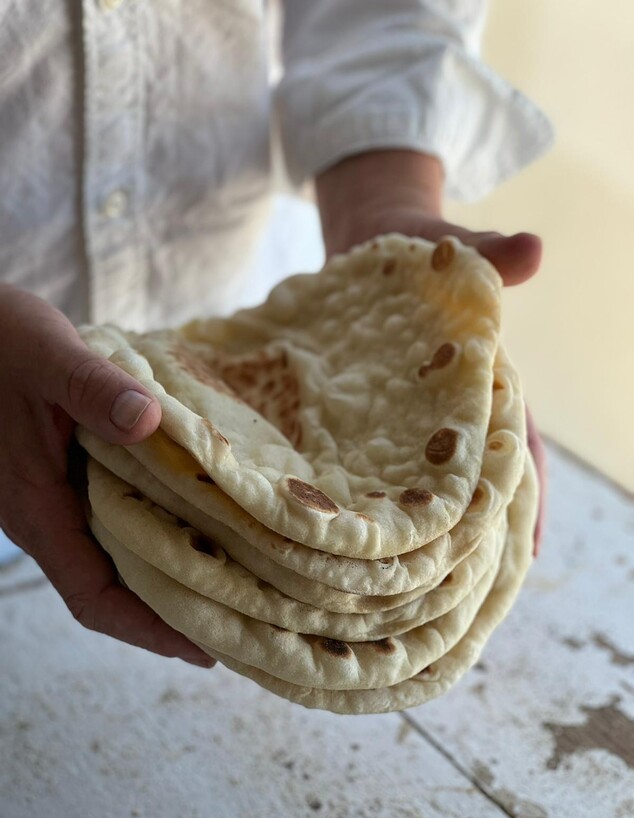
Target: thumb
[(101, 396)]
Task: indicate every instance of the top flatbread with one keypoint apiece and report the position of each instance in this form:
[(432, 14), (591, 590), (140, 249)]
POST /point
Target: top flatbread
[(349, 412), (169, 476)]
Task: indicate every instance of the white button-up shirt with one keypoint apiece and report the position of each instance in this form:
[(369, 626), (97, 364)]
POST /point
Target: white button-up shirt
[(135, 135)]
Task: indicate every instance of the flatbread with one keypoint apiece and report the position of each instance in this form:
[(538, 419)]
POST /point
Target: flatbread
[(302, 659), (438, 678), (169, 475), (122, 514), (349, 412)]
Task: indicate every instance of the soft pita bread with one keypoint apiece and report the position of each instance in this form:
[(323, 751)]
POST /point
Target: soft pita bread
[(349, 412), (438, 678), (122, 514)]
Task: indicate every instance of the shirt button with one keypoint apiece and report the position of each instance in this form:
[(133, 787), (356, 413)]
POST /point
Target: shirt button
[(114, 204), (110, 5)]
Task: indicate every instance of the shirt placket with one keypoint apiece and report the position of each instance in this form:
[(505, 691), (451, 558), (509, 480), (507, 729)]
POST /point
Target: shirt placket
[(113, 162)]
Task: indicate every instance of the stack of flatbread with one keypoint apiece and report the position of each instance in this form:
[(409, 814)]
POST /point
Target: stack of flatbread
[(339, 502)]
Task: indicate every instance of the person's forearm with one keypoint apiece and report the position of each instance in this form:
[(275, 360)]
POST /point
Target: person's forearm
[(356, 192)]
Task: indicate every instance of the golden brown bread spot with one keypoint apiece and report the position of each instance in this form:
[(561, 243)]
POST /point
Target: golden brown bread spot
[(497, 384), (274, 391), (441, 446), (335, 647), (386, 560), (411, 247), (205, 545), (203, 477), (426, 671), (376, 494), (311, 496), (476, 496), (448, 579), (200, 368), (261, 379), (389, 265), (384, 646), (374, 246), (364, 516), (443, 255), (494, 445), (415, 497), (441, 358), (214, 431)]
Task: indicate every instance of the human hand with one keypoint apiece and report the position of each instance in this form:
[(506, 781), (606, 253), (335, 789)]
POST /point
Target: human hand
[(48, 381), (400, 191)]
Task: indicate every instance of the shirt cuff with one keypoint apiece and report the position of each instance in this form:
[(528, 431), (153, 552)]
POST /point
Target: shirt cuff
[(449, 105)]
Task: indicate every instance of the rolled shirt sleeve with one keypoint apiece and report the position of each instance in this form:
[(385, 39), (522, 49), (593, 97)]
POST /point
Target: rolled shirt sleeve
[(368, 74)]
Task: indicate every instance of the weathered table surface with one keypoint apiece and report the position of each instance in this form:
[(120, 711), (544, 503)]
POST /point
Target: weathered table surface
[(544, 726)]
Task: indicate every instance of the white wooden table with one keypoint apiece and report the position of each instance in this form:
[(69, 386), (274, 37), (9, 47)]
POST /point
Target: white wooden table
[(542, 728)]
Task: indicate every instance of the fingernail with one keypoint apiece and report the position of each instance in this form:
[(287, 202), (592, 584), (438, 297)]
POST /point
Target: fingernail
[(128, 408)]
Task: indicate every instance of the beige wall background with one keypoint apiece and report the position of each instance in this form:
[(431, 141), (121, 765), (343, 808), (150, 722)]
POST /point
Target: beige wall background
[(571, 329)]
